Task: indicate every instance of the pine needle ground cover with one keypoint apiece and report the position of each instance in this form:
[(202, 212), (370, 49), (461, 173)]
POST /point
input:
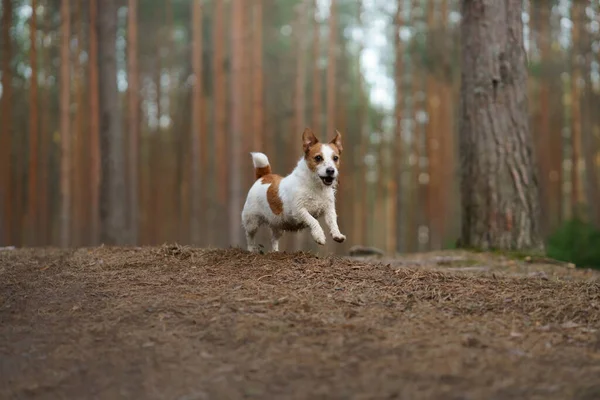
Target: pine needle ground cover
[(183, 323)]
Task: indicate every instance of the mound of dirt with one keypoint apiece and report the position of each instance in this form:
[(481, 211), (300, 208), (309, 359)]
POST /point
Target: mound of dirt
[(176, 322)]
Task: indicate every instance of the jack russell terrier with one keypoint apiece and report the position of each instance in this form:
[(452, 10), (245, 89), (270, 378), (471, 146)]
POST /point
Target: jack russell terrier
[(294, 202)]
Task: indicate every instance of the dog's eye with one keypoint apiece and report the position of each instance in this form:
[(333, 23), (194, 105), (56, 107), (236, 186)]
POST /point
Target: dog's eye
[(335, 158), (318, 158)]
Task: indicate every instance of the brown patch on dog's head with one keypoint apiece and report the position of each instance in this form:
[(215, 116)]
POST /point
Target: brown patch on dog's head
[(314, 156), (275, 202), (312, 149)]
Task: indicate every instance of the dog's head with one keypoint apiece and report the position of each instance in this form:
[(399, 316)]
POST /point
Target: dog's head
[(322, 158)]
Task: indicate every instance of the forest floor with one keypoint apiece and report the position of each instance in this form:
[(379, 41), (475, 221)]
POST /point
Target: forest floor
[(174, 322)]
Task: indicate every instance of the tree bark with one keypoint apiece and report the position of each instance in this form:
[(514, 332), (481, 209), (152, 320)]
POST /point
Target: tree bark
[(32, 214), (237, 114), (134, 119), (331, 69), (499, 188), (220, 98), (257, 81), (65, 127), (94, 144), (6, 126), (317, 79), (577, 194), (198, 132), (398, 158), (112, 189)]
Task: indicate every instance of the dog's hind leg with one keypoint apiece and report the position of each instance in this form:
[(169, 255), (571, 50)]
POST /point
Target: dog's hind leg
[(251, 225), (275, 236)]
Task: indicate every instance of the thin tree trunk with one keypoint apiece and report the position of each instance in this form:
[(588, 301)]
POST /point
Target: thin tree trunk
[(112, 192), (499, 190), (46, 132), (220, 98), (94, 144), (331, 68), (134, 119), (78, 223), (32, 214), (6, 125), (302, 15), (577, 198), (398, 157), (65, 127), (198, 132), (237, 52), (360, 195), (257, 80), (317, 78)]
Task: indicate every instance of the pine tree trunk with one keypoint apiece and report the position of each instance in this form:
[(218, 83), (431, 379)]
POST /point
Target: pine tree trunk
[(134, 119), (331, 69), (6, 126), (198, 132), (398, 158), (32, 215), (112, 190), (301, 44), (577, 12), (257, 80), (78, 223), (360, 196), (94, 144), (220, 98), (317, 79), (237, 114), (499, 189), (65, 127), (46, 132)]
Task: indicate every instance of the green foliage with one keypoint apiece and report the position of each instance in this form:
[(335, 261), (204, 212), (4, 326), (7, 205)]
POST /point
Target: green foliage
[(577, 242)]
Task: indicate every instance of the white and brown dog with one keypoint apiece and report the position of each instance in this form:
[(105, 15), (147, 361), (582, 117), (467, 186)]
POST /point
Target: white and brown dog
[(295, 202)]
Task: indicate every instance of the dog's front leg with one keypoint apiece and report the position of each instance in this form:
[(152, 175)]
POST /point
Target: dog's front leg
[(331, 221), (315, 229)]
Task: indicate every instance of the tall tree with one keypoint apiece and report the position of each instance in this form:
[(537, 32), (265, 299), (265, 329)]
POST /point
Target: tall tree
[(32, 212), (257, 81), (331, 67), (500, 199), (79, 157), (317, 79), (237, 54), (7, 121), (112, 189), (577, 194), (65, 127), (198, 131), (220, 97), (134, 118), (398, 114), (94, 138)]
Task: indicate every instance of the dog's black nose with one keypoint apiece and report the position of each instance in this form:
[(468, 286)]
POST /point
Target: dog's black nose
[(330, 171)]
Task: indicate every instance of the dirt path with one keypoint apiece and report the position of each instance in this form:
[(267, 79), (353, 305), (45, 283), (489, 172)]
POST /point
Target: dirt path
[(176, 323)]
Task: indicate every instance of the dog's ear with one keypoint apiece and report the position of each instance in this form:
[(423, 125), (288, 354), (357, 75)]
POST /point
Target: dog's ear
[(337, 141), (308, 139)]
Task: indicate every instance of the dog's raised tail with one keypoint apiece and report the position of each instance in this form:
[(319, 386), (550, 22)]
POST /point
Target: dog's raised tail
[(261, 165)]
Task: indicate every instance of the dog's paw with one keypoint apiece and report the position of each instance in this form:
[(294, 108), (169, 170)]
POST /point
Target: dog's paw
[(319, 237), (339, 238)]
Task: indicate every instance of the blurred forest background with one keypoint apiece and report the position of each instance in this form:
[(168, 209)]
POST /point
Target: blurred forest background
[(199, 84)]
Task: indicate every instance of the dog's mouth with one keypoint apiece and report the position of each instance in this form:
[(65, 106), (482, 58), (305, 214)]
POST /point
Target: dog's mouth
[(327, 180)]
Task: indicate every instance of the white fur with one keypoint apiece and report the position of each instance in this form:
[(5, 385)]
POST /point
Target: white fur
[(259, 160), (304, 196)]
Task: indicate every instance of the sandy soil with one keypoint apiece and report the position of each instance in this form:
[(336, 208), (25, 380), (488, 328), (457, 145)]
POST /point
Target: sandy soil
[(174, 322)]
